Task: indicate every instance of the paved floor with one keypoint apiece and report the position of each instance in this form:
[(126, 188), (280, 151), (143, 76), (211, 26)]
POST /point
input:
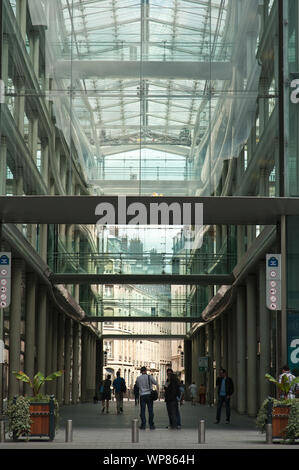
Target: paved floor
[(94, 430)]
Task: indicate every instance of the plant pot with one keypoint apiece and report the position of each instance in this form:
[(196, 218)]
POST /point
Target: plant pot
[(280, 417), (43, 419)]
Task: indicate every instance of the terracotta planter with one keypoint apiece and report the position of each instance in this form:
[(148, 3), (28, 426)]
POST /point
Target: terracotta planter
[(280, 417)]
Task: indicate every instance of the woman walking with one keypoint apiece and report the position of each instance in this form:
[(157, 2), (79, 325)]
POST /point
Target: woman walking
[(106, 393)]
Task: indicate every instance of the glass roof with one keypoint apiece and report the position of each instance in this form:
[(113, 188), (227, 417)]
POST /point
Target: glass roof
[(143, 74)]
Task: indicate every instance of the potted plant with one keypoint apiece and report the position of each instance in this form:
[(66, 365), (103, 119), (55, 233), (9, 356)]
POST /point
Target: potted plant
[(36, 415), (283, 413)]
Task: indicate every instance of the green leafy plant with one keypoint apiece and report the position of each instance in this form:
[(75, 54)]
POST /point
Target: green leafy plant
[(292, 429), (19, 417), (38, 380), (284, 386)]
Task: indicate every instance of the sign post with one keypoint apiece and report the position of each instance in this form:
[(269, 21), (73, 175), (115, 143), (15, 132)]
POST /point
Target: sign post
[(273, 281), (5, 288)]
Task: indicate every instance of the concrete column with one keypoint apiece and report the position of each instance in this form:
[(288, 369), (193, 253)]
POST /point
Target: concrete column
[(241, 350), (30, 328), (224, 340), (19, 107), (33, 135), (67, 360), (54, 366), (4, 60), (75, 371), (210, 374), (99, 363), (49, 353), (195, 356), (232, 350), (240, 241), (93, 363), (84, 363), (34, 51), (77, 251), (217, 344), (251, 294), (3, 165), (45, 161), (43, 236), (89, 366), (21, 7), (69, 237), (202, 352), (229, 342), (60, 357), (188, 361), (18, 267), (19, 188), (41, 329), (265, 335)]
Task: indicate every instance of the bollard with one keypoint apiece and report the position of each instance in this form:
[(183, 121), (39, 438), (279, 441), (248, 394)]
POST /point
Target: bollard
[(135, 430), (2, 431), (201, 431), (268, 433), (69, 431)]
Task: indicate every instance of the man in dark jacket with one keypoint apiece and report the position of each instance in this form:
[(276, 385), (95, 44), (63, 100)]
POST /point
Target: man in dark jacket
[(225, 390), (172, 397)]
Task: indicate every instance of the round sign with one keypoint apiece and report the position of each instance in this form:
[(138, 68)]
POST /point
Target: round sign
[(273, 284), (4, 272), (3, 296), (272, 291), (273, 273), (3, 289), (3, 282), (273, 306), (273, 298), (2, 304)]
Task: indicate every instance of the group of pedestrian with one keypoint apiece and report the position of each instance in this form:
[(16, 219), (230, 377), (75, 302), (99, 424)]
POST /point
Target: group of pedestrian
[(119, 388), (174, 394)]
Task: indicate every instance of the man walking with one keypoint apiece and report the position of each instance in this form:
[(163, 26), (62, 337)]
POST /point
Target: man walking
[(225, 390), (119, 388), (172, 398), (288, 377), (144, 383)]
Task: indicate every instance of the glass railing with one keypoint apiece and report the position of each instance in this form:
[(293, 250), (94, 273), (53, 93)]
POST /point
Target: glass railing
[(142, 263), (130, 308)]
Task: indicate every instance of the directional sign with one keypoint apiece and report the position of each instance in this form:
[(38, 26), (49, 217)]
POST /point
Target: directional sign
[(203, 363), (5, 279), (273, 281)]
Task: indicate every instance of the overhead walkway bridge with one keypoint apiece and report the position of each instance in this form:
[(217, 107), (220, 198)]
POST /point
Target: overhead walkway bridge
[(216, 269)]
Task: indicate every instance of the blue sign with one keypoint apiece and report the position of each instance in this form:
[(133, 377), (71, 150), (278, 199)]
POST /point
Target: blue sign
[(4, 260), (273, 262)]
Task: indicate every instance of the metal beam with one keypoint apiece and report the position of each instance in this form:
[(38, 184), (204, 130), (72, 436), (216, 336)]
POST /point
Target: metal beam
[(227, 210), (93, 319), (148, 337), (170, 279), (183, 70)]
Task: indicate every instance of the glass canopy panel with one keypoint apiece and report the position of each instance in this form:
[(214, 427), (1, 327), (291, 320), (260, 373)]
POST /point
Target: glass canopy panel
[(179, 77)]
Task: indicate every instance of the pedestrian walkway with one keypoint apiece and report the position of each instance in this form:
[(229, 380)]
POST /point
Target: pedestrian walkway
[(94, 430)]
